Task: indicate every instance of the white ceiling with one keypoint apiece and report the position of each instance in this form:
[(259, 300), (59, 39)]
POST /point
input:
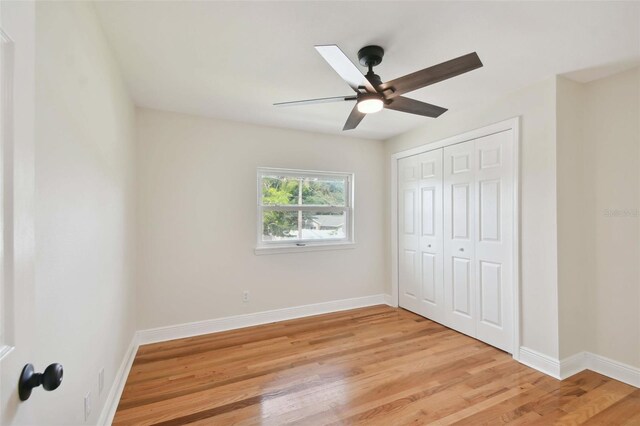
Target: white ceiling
[(232, 60)]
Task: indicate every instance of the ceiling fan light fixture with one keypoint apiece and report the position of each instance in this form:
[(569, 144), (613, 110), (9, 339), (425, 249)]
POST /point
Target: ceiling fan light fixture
[(370, 104)]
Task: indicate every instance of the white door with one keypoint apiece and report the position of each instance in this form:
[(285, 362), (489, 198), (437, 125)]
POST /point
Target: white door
[(408, 234), (430, 274), (494, 239), (17, 21), (456, 233), (459, 241)]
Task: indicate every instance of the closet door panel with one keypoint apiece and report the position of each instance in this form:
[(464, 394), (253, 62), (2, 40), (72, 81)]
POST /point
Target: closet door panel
[(429, 205), (461, 286), (409, 261), (429, 278), (460, 211), (490, 283), (494, 245), (459, 230), (409, 215), (431, 235)]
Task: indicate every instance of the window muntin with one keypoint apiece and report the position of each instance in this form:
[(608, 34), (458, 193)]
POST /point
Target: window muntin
[(299, 208)]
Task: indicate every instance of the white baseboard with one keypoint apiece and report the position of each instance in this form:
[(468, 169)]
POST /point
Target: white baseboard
[(388, 301), (573, 365), (614, 369), (180, 331), (581, 361), (539, 361), (113, 398)]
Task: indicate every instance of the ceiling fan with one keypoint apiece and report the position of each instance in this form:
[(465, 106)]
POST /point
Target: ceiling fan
[(372, 94)]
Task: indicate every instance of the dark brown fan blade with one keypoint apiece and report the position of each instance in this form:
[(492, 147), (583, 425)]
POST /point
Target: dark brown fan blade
[(345, 68), (316, 101), (354, 118), (412, 106), (430, 75)]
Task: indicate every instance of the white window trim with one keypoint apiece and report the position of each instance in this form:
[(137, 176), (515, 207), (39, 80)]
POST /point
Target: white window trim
[(300, 246)]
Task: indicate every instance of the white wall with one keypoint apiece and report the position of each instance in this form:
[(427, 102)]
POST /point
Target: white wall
[(598, 252), (612, 181), (538, 264), (197, 220), (574, 220), (84, 200)]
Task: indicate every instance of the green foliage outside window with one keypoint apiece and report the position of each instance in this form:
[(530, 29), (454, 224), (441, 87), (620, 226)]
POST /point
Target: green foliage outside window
[(288, 191)]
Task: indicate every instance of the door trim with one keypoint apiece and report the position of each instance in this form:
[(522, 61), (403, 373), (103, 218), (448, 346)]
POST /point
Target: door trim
[(509, 124), (6, 208)]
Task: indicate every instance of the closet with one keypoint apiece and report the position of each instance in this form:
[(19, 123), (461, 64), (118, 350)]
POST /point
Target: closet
[(455, 237)]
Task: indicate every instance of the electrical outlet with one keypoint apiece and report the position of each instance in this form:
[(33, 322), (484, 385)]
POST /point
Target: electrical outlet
[(100, 381), (245, 296), (87, 406)]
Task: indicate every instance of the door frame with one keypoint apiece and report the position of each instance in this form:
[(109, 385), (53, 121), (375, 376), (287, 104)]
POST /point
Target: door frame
[(509, 124)]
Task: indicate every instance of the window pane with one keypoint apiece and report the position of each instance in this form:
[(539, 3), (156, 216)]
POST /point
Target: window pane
[(279, 190), (279, 226), (324, 191), (319, 226)]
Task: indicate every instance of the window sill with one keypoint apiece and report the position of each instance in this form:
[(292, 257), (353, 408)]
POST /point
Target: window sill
[(301, 249)]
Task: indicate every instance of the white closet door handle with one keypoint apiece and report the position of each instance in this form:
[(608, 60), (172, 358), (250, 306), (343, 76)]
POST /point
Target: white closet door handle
[(461, 249)]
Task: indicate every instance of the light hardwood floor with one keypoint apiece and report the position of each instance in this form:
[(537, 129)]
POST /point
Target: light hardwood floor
[(374, 366)]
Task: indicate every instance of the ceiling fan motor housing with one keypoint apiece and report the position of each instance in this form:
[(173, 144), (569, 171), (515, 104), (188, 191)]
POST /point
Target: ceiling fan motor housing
[(370, 56)]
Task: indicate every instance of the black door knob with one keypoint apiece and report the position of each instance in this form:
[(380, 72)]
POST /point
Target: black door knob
[(29, 379)]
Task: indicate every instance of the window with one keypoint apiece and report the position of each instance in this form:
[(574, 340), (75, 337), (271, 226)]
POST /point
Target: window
[(304, 209)]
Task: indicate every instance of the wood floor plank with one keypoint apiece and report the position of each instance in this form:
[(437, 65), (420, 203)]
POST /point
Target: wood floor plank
[(373, 366), (622, 412)]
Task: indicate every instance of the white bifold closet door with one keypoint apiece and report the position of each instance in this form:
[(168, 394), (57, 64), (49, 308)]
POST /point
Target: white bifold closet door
[(455, 237), (494, 224), (459, 244), (421, 236)]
